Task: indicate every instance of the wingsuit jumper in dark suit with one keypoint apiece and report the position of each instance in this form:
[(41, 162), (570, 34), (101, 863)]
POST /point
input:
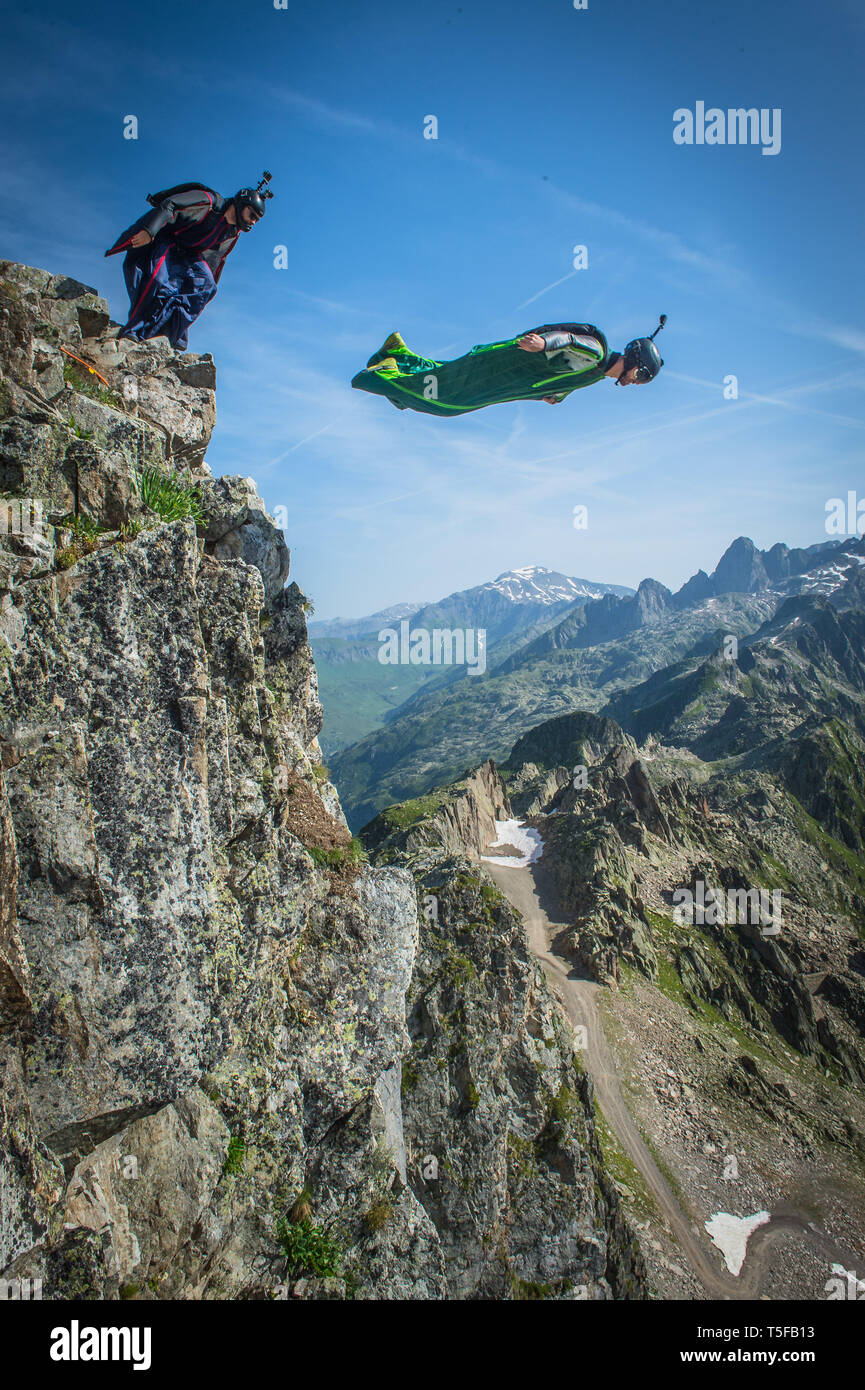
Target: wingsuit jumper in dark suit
[(172, 279)]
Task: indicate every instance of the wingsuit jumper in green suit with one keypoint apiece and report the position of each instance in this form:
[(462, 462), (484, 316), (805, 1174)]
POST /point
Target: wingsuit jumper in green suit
[(576, 355)]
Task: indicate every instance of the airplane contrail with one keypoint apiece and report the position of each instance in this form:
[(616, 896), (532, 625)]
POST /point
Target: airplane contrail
[(526, 302)]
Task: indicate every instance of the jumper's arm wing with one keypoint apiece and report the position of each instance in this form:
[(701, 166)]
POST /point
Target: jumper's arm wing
[(188, 208), (183, 208), (580, 337)]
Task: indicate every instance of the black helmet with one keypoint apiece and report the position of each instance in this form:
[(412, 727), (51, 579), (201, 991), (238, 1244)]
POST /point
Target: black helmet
[(248, 198), (642, 354), (253, 198)]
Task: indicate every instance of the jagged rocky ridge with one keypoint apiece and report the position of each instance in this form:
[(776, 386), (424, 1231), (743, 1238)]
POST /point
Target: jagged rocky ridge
[(738, 1044), (219, 1027), (643, 822), (437, 734)]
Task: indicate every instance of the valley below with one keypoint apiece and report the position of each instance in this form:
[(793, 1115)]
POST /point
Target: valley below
[(639, 1049)]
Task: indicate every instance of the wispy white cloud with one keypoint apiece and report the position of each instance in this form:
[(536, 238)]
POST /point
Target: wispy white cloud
[(545, 290), (384, 502), (331, 306), (323, 113), (292, 448), (786, 400), (853, 339), (668, 243)]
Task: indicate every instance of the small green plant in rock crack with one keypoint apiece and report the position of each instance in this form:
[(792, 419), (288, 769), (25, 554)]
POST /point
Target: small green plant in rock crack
[(352, 853), (563, 1105), (86, 534), (459, 970), (169, 497), (130, 529), (82, 526), (234, 1158), (410, 1076), (308, 1248), (79, 433), (83, 383)]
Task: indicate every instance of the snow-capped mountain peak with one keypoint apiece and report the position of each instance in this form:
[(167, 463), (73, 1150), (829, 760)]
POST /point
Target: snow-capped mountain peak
[(537, 584)]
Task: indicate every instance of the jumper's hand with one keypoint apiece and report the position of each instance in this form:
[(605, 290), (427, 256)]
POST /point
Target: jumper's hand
[(553, 400), (141, 238), (532, 342)]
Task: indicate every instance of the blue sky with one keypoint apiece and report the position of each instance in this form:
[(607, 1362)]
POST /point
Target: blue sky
[(555, 128)]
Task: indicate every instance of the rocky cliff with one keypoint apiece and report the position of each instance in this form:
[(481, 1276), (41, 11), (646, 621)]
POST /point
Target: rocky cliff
[(494, 1096), (208, 998)]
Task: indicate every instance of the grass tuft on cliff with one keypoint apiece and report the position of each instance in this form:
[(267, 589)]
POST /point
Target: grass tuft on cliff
[(308, 1248), (169, 498)]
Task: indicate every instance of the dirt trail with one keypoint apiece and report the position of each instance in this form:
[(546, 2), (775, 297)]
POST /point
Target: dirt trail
[(530, 891)]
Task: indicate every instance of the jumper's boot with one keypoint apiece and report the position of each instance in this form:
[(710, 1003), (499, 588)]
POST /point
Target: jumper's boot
[(393, 343)]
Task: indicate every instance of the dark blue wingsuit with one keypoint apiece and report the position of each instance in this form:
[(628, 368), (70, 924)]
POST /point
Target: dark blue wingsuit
[(172, 279)]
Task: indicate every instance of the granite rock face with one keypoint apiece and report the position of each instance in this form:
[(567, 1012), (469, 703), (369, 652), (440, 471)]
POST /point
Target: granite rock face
[(459, 819), (498, 1113), (202, 988)]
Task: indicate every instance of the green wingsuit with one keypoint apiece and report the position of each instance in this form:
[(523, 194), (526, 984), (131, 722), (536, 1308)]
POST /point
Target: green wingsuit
[(576, 355)]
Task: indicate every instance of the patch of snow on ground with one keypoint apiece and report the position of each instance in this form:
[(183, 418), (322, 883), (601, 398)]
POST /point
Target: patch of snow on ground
[(731, 1233), (522, 837)]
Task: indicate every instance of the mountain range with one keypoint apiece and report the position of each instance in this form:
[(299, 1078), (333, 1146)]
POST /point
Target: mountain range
[(583, 658), (360, 694)]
